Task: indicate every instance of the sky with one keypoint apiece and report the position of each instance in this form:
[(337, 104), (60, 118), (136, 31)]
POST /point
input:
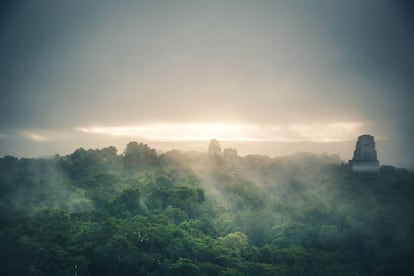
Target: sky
[(274, 77)]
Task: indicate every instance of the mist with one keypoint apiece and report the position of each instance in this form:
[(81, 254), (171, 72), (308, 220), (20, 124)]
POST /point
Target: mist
[(203, 211), (206, 137)]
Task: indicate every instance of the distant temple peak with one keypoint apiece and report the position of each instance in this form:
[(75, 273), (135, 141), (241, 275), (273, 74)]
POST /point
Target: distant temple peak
[(365, 155), (214, 148)]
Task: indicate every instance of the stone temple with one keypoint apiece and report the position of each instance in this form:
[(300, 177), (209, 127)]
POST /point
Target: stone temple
[(365, 155)]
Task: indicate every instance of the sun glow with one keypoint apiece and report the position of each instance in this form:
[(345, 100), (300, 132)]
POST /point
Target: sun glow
[(334, 132), (178, 132)]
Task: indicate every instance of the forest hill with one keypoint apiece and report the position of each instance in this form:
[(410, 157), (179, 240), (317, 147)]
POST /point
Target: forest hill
[(97, 212)]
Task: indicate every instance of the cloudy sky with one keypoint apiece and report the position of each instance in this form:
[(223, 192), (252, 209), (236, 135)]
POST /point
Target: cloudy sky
[(296, 75)]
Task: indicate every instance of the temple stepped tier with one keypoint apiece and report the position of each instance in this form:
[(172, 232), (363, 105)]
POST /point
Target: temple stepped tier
[(365, 155)]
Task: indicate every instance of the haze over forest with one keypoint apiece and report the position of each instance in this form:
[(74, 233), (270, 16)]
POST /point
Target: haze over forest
[(97, 212), (266, 77), (107, 114)]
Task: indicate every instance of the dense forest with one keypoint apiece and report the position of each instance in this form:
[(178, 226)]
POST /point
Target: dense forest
[(100, 212)]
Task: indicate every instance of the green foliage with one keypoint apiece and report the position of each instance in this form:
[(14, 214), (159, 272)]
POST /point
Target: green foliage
[(136, 155), (95, 212), (236, 241)]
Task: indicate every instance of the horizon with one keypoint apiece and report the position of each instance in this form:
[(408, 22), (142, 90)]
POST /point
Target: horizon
[(343, 149)]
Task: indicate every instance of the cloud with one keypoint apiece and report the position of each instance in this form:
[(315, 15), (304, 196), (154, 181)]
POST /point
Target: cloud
[(275, 70), (43, 135), (35, 137)]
